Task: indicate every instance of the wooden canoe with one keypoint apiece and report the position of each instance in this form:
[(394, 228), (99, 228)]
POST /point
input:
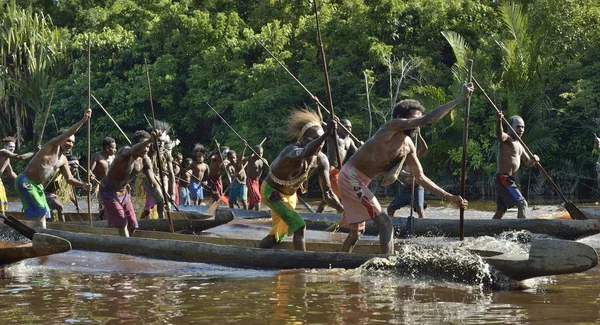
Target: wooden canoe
[(546, 257), (83, 216), (41, 245), (222, 216), (562, 229)]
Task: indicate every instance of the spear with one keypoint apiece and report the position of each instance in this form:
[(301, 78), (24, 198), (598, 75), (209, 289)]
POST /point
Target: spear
[(55, 124), (46, 119), (160, 170), (463, 167), (110, 117), (89, 127), (329, 98)]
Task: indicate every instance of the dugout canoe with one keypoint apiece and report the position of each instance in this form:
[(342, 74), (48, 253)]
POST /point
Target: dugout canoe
[(83, 216), (546, 257), (561, 229), (41, 245)]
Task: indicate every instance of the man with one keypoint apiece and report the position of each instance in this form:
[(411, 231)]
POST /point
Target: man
[(154, 196), (390, 145), (43, 164), (100, 162), (597, 147), (347, 148), (510, 154), (216, 168), (8, 152), (56, 190), (177, 168), (238, 187), (128, 162), (405, 195), (257, 165), (288, 173), (199, 170), (185, 179)]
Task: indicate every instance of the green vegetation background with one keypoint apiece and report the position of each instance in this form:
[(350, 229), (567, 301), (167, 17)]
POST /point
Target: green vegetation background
[(536, 58)]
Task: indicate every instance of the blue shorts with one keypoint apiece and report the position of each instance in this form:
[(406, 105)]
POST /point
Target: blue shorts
[(238, 190), (507, 192), (404, 197), (196, 191)]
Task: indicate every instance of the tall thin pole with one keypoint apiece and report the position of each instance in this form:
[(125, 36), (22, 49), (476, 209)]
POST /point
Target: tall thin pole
[(160, 169), (329, 98), (46, 119), (112, 119), (89, 128), (463, 167)]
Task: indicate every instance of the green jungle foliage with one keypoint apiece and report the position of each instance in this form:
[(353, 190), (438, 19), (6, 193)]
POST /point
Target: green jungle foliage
[(536, 58)]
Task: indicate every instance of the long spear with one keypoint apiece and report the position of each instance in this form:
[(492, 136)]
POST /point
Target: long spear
[(55, 124), (89, 128), (110, 117), (327, 85), (160, 170), (303, 87), (463, 166), (46, 119)]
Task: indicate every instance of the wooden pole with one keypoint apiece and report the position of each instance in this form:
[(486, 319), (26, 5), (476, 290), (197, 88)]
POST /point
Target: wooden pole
[(46, 119), (327, 85), (110, 117), (55, 124), (158, 161), (89, 127), (463, 166)]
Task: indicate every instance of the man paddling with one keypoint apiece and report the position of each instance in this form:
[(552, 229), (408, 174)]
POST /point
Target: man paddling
[(128, 162), (510, 154), (43, 164), (6, 154), (390, 146), (216, 168), (238, 187), (257, 166), (288, 173), (199, 171), (100, 162)]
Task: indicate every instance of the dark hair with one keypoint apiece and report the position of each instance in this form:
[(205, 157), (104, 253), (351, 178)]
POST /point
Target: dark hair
[(199, 148), (140, 135), (231, 152), (404, 107), (179, 155), (106, 142), (188, 161), (258, 147)]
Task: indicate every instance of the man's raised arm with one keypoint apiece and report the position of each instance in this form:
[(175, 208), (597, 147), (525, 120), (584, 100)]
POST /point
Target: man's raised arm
[(71, 131)]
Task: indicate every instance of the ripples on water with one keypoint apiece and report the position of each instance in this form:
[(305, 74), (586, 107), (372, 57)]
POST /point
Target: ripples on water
[(100, 288)]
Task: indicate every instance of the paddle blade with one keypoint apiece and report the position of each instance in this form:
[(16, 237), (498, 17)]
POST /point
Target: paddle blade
[(212, 208), (19, 226), (574, 211), (410, 233)]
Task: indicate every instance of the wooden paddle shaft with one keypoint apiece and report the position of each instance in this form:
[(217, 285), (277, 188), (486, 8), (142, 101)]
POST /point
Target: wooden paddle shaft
[(110, 117), (46, 119), (463, 169), (537, 163), (89, 131)]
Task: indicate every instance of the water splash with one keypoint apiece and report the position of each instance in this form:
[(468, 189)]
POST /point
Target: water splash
[(451, 263)]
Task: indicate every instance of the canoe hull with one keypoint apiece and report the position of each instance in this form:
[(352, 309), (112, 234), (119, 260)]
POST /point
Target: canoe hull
[(42, 245), (83, 217)]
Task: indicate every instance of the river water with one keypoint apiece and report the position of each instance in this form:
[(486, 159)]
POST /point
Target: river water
[(100, 288)]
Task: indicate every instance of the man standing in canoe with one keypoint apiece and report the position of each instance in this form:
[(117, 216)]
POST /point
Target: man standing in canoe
[(185, 179), (237, 171), (289, 171), (43, 164), (199, 171), (8, 152), (216, 168), (347, 148), (100, 162), (390, 146), (257, 165), (510, 154), (128, 162)]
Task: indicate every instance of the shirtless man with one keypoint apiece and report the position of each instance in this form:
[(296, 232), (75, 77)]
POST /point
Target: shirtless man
[(177, 168), (6, 154), (510, 154), (50, 157), (53, 187), (100, 162), (257, 165), (128, 162), (289, 171), (347, 148), (185, 178), (200, 170), (597, 147), (387, 148), (216, 168), (238, 187)]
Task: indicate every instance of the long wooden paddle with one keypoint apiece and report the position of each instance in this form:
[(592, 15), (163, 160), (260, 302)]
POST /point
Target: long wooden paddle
[(573, 210), (89, 128), (46, 119), (410, 233), (112, 119), (158, 161), (463, 165), (19, 226)]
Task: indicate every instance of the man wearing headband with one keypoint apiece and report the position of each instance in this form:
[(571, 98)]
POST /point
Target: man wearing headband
[(43, 164), (288, 173), (390, 146), (7, 153)]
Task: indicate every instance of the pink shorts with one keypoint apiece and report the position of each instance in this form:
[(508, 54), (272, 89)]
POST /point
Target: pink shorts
[(359, 202)]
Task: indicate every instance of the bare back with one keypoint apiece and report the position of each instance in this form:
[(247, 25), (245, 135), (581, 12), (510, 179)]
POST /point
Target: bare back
[(124, 168), (4, 160), (289, 166)]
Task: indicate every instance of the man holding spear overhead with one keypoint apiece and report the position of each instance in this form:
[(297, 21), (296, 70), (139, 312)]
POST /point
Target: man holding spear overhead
[(42, 165), (8, 152), (390, 145), (289, 171)]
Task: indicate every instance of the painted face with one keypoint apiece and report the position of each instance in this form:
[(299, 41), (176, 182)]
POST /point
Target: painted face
[(68, 144), (411, 115), (111, 149), (10, 146), (260, 152), (312, 134), (519, 127)]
